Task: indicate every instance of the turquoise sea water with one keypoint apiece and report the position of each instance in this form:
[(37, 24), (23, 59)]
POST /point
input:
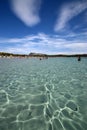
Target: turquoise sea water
[(43, 95)]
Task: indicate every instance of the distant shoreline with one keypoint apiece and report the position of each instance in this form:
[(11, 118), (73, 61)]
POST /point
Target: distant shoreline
[(38, 55)]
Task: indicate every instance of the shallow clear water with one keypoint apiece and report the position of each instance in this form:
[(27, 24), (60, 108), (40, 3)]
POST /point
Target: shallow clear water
[(43, 95)]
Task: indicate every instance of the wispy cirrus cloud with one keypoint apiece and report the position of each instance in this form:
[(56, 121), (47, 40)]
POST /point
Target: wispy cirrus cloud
[(43, 43), (27, 11), (68, 12)]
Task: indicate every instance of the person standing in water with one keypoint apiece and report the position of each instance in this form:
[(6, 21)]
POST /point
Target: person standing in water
[(79, 58)]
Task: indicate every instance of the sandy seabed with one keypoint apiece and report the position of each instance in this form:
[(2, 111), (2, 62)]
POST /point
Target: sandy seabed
[(43, 95)]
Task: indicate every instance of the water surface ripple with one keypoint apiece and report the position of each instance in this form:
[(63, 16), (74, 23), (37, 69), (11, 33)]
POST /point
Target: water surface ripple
[(43, 95)]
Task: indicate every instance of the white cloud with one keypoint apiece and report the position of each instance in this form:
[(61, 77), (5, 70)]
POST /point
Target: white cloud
[(68, 12), (43, 43), (27, 11)]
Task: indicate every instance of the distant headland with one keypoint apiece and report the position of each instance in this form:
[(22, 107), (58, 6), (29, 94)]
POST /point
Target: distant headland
[(11, 55)]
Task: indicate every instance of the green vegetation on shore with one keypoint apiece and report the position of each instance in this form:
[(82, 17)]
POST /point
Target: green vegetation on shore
[(5, 54)]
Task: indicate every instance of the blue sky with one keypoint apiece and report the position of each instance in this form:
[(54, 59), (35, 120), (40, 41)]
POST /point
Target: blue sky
[(43, 26)]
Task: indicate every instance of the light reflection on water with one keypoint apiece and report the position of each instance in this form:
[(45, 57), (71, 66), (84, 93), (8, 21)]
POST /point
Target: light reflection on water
[(43, 95)]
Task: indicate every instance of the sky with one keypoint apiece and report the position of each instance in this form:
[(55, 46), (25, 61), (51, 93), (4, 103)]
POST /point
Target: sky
[(43, 26)]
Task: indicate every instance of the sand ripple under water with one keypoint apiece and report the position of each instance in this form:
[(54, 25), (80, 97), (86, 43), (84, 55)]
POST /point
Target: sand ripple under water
[(43, 95)]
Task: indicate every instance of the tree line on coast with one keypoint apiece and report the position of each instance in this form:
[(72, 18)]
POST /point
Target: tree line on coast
[(5, 54)]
